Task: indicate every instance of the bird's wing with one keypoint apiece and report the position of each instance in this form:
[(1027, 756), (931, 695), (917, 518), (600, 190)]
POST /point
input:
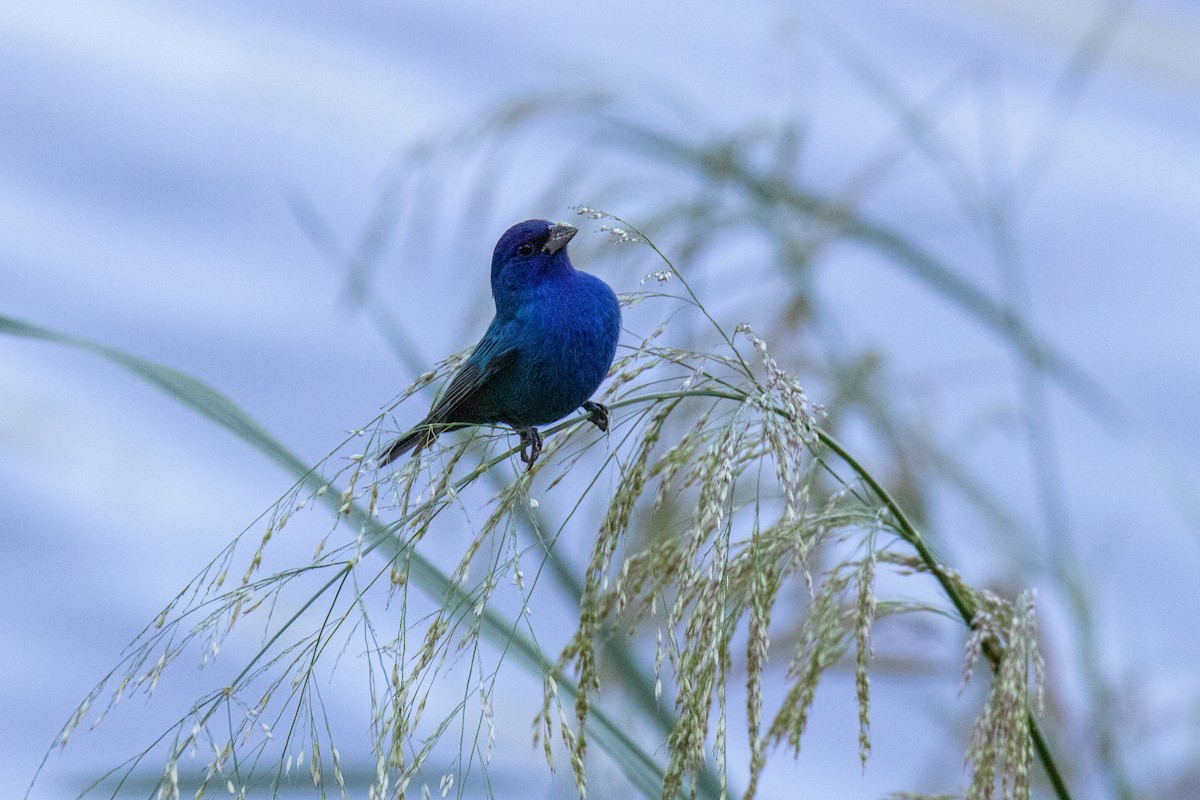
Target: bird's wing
[(483, 364), (486, 362)]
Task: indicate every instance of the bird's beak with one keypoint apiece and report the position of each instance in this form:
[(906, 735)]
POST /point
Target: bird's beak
[(560, 234)]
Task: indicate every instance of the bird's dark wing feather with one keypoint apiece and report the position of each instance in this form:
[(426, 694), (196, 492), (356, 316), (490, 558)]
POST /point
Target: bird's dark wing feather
[(469, 381), (464, 388)]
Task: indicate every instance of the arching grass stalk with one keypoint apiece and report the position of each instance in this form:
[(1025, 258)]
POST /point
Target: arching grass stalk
[(959, 594), (697, 582), (998, 630)]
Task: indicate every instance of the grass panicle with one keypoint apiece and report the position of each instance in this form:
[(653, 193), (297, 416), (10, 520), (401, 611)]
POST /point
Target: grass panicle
[(724, 524)]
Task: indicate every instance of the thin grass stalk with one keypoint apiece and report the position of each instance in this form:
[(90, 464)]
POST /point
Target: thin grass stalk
[(641, 769)]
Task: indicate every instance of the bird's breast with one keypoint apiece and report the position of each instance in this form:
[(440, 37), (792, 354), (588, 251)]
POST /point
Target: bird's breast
[(567, 341)]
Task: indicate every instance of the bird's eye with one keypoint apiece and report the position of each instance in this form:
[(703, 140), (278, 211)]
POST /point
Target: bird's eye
[(526, 249)]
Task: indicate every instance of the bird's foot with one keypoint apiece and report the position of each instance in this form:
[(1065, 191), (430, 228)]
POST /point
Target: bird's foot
[(597, 414), (531, 444)]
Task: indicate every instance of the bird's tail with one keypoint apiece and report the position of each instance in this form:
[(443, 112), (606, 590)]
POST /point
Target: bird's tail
[(417, 439)]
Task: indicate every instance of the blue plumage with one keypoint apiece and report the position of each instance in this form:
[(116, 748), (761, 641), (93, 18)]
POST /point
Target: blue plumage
[(546, 351)]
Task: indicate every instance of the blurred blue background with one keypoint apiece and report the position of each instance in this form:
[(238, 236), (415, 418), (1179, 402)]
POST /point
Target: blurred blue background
[(153, 157)]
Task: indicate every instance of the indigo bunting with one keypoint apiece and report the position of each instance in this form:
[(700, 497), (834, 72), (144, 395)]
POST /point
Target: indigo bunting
[(547, 349)]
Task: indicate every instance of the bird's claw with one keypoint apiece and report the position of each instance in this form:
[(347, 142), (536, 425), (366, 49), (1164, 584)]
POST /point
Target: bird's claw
[(597, 414), (531, 444)]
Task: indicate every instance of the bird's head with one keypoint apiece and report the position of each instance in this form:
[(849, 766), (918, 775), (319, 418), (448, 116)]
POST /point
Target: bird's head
[(528, 252)]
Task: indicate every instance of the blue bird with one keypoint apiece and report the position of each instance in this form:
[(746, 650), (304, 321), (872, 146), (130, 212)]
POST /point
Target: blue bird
[(550, 344)]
